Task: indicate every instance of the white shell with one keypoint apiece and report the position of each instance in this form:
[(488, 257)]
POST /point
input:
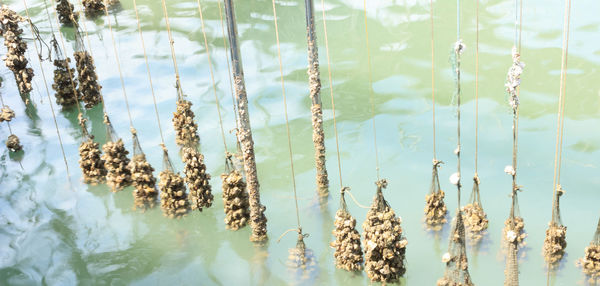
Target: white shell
[(511, 235), (455, 178), (509, 170), (446, 257)]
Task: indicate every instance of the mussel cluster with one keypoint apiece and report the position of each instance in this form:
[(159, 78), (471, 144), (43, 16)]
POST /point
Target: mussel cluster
[(476, 221), (555, 243), (197, 179), (65, 83), (384, 243), (65, 12), (116, 162), (235, 200), (15, 55), (6, 114), (515, 233), (88, 79), (591, 262), (435, 210), (347, 250), (91, 162), (145, 192), (13, 143), (183, 122), (173, 198)]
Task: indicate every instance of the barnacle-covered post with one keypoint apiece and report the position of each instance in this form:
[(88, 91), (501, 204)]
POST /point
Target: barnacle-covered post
[(258, 221), (15, 55), (314, 81)]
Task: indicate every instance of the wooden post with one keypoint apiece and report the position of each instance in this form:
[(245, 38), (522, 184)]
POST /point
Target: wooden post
[(258, 221), (314, 80)]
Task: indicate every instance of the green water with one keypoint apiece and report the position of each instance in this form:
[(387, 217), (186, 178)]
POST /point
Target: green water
[(54, 234)]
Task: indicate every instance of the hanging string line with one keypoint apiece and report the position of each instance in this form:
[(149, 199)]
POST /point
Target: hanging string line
[(229, 74), (371, 91), (432, 78), (564, 92), (337, 144), (212, 77), (287, 124), (171, 42), (62, 149), (515, 129), (137, 17), (561, 104), (114, 44), (476, 87), (458, 51)]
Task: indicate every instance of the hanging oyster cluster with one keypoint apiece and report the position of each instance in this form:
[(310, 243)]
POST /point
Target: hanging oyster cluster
[(173, 198), (384, 244), (197, 179), (235, 200), (90, 162), (13, 143), (65, 12), (300, 256), (6, 114), (516, 231), (64, 83), (555, 243), (457, 272), (476, 221), (435, 208), (591, 262), (88, 79), (347, 250), (145, 192), (15, 55), (115, 159), (185, 127)]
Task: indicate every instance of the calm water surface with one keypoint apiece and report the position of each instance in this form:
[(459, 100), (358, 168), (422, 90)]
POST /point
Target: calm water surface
[(52, 233)]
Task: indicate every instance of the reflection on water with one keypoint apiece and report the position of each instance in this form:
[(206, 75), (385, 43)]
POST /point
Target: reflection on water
[(58, 234)]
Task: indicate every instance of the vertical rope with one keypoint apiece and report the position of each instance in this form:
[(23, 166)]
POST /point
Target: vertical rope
[(371, 90), (432, 78), (476, 87), (62, 149), (212, 77), (561, 104), (287, 124), (229, 74), (137, 17), (337, 143), (114, 44), (171, 43)]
